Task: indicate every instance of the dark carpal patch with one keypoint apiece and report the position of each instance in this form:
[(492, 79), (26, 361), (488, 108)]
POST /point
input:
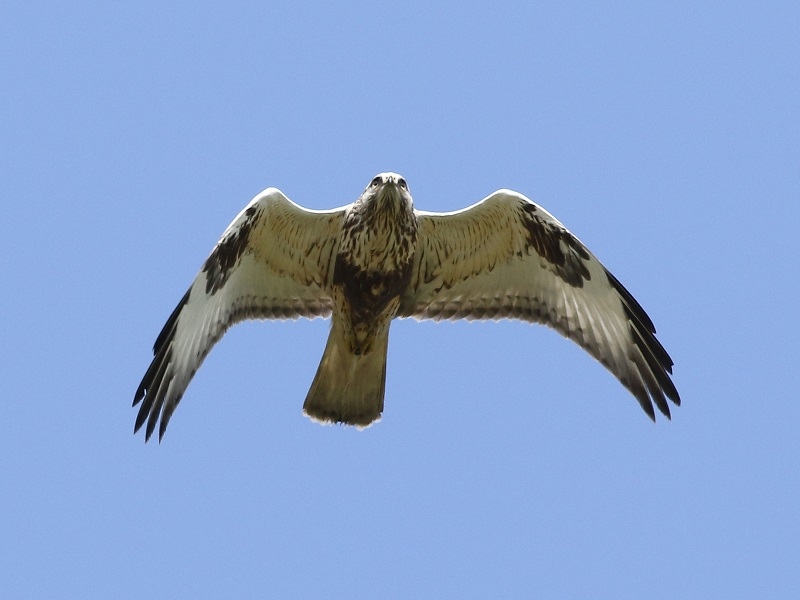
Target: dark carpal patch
[(225, 255), (549, 242)]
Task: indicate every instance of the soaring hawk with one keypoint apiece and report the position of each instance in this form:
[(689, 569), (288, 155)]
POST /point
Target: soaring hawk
[(379, 258)]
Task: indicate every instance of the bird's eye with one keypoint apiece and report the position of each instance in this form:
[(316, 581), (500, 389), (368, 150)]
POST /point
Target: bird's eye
[(402, 183), (375, 182)]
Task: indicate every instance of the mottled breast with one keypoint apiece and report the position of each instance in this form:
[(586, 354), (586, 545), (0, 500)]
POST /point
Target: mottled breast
[(376, 255)]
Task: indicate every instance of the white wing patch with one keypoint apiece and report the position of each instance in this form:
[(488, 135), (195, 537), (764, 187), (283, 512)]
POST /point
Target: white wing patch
[(504, 257), (274, 261), (508, 257)]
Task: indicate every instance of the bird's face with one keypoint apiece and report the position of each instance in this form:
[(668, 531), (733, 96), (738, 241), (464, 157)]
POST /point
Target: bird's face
[(388, 187)]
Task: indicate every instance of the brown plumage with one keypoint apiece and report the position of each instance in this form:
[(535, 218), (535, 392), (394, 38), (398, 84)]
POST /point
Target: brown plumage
[(379, 258)]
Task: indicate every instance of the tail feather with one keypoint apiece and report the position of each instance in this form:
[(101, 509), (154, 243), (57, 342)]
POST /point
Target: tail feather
[(348, 388)]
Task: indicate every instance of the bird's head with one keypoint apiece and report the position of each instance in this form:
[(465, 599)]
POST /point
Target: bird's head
[(388, 188)]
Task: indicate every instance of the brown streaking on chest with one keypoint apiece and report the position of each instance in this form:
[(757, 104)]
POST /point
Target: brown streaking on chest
[(375, 258)]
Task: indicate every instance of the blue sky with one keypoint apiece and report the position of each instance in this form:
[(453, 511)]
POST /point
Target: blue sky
[(508, 463)]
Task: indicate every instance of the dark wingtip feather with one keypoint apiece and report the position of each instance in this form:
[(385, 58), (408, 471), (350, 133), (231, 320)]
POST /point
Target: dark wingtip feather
[(137, 397), (632, 305), (151, 422), (664, 407), (168, 331), (162, 428), (657, 366), (141, 417), (640, 393), (153, 387)]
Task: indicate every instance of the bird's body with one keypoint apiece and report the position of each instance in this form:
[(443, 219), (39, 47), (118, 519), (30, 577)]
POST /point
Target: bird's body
[(373, 267), (379, 258)]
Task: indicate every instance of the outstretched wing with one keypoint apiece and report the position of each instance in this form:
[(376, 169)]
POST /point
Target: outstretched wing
[(274, 261), (508, 257)]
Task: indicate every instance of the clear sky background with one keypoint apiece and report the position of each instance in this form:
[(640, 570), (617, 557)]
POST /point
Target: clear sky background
[(508, 463)]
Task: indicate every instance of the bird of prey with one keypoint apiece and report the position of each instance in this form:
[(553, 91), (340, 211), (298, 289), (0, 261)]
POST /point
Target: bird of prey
[(379, 258)]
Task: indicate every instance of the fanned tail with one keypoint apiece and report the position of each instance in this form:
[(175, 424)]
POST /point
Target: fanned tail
[(348, 388)]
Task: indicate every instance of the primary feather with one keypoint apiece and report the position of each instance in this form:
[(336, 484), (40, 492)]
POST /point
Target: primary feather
[(377, 259)]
